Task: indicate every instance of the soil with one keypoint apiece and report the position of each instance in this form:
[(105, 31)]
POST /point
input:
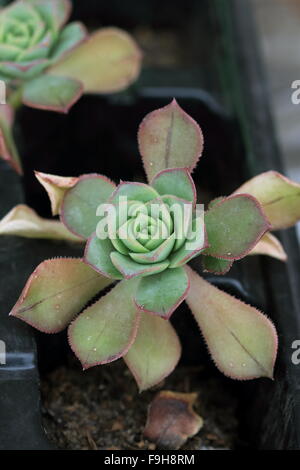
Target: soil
[(102, 409)]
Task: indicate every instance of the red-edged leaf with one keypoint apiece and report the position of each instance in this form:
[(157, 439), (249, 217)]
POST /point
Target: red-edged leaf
[(108, 61), (169, 138), (241, 340), (155, 352), (80, 203), (130, 268), (134, 192), (105, 331), (56, 187), (278, 195), (97, 255), (175, 181), (269, 245), (160, 294), (234, 226), (25, 222), (55, 292), (52, 93), (215, 265)]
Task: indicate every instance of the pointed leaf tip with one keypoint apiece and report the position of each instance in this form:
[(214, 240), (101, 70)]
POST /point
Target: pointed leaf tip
[(56, 187), (155, 352), (270, 245), (55, 292), (25, 222), (278, 195), (169, 138), (242, 341)]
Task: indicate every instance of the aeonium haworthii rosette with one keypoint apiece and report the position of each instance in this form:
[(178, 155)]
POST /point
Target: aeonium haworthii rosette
[(143, 253), (48, 64)]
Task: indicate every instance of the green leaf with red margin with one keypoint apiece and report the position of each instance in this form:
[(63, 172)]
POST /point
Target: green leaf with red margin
[(70, 37), (105, 331), (108, 61), (155, 352), (160, 294), (52, 93), (56, 187), (55, 12), (134, 192), (159, 254), (130, 268), (79, 206), (241, 340), (8, 149), (215, 265), (234, 226), (169, 138), (175, 181), (279, 197), (97, 255), (25, 222), (56, 292), (193, 246)]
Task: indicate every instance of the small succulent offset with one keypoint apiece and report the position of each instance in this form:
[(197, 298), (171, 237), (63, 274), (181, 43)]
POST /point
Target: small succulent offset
[(132, 319), (48, 65)]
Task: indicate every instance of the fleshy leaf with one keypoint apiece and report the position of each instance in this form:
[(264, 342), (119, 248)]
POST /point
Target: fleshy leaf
[(162, 293), (192, 247), (52, 93), (215, 201), (271, 246), (79, 206), (108, 61), (234, 226), (159, 254), (8, 149), (175, 181), (55, 292), (215, 265), (71, 36), (130, 268), (97, 255), (56, 187), (155, 352), (134, 192), (169, 138), (54, 12), (105, 331), (241, 340), (172, 420), (278, 195), (25, 222)]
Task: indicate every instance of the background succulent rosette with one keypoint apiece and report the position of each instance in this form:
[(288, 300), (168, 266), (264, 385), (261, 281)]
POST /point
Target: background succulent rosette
[(150, 277), (48, 64)]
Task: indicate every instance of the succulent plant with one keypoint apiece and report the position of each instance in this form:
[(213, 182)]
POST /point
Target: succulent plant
[(144, 255), (48, 65)]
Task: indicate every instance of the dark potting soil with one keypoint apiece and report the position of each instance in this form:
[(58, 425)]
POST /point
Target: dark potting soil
[(102, 409)]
